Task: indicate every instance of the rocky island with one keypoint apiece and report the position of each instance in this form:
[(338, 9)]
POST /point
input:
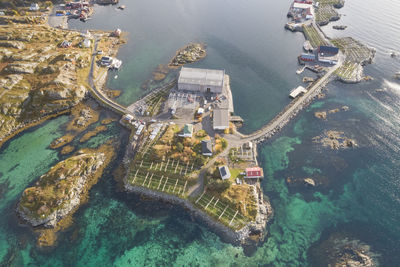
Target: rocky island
[(190, 53), (335, 140), (59, 193)]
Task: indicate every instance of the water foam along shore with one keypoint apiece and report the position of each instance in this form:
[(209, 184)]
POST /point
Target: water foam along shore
[(240, 237)]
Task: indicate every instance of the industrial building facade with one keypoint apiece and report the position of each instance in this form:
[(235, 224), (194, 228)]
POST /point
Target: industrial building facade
[(201, 80)]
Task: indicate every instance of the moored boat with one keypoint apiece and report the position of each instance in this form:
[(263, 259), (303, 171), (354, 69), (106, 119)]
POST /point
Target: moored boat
[(339, 27)]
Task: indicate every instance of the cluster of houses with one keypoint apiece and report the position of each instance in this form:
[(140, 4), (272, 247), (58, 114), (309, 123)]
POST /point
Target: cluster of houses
[(86, 43), (301, 10), (323, 54), (76, 9), (128, 119)]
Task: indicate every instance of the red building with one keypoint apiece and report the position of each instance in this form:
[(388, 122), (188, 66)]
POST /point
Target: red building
[(255, 172)]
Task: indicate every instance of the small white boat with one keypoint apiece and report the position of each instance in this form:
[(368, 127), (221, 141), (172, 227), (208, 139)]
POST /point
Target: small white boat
[(116, 77)]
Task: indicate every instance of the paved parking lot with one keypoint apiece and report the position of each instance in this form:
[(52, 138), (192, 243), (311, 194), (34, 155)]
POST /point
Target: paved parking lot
[(181, 100)]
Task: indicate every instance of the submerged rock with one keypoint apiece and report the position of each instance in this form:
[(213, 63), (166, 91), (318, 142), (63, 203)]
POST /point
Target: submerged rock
[(335, 140), (342, 250), (320, 115)]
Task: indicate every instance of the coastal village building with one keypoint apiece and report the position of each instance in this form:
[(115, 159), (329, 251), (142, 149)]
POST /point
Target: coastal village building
[(307, 57), (255, 172), (34, 7), (187, 130), (220, 119), (301, 10), (105, 61), (297, 91), (65, 44), (224, 172), (206, 148), (328, 50), (86, 43), (328, 54), (201, 80)]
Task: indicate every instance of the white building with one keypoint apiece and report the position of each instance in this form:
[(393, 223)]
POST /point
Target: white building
[(86, 43), (300, 6), (297, 91), (34, 7), (201, 80)]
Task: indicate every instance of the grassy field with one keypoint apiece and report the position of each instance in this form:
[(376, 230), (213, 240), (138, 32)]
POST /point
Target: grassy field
[(354, 50), (221, 210), (330, 2), (325, 13), (168, 163), (313, 36), (169, 177), (347, 70)]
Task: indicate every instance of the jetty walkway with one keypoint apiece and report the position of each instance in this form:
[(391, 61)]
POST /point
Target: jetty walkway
[(106, 102), (292, 109), (96, 93), (258, 136)]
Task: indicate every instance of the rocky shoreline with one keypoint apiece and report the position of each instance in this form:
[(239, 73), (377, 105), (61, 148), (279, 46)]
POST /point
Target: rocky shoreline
[(37, 217), (249, 235), (29, 124), (48, 206)]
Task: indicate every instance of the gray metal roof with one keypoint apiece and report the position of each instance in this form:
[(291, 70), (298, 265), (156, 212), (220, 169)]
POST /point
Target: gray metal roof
[(221, 117), (201, 76)]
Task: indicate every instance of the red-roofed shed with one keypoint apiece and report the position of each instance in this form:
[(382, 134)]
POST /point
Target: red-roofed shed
[(255, 172)]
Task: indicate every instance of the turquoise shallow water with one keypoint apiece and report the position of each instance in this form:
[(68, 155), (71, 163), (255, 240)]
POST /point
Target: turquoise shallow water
[(359, 195)]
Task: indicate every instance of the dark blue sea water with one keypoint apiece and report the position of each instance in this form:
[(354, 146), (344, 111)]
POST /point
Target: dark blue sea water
[(358, 192)]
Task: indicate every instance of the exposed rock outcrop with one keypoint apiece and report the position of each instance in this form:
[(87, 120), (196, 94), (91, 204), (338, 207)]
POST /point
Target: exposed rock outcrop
[(191, 53), (41, 80), (335, 140), (59, 191), (309, 182), (48, 206)]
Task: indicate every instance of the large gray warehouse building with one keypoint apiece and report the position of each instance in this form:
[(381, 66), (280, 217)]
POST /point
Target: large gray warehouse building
[(201, 80)]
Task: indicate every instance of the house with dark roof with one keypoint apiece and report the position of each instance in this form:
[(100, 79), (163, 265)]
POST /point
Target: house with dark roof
[(224, 172), (206, 148), (328, 50), (328, 54)]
